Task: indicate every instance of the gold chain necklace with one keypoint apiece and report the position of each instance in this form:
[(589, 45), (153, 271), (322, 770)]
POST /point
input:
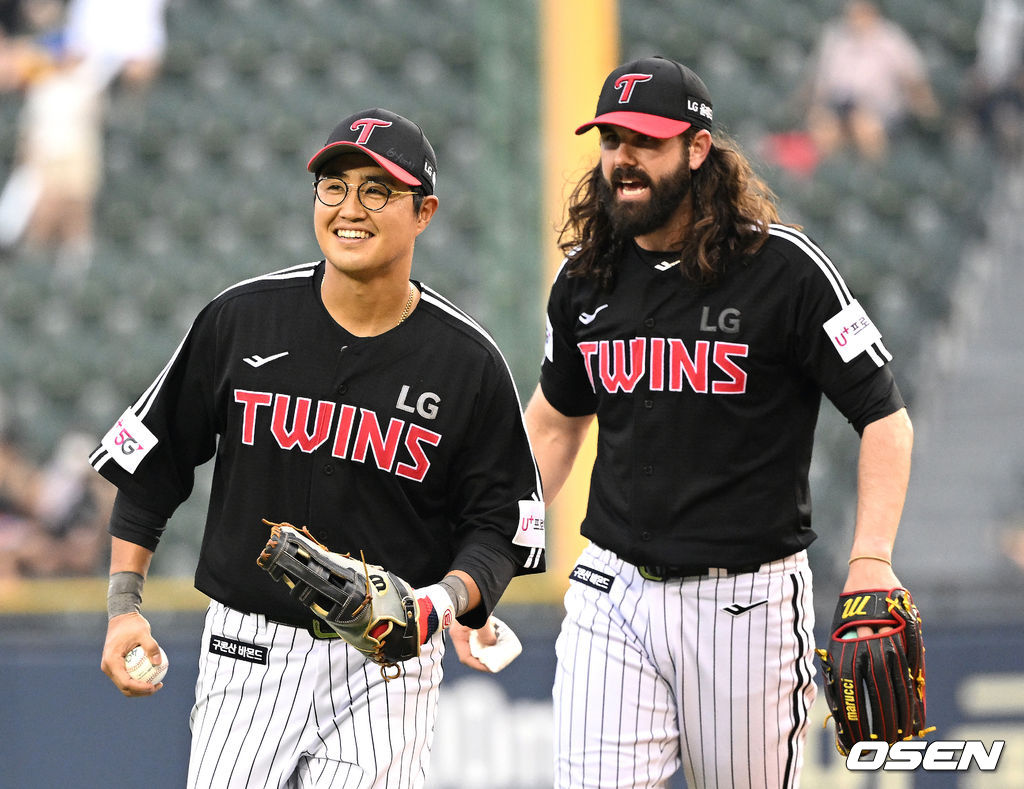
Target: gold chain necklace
[(405, 310), (408, 305)]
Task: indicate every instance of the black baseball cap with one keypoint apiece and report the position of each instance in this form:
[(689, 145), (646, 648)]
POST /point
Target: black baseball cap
[(395, 143), (655, 96)]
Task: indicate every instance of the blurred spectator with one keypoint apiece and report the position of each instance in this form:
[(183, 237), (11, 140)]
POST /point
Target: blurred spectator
[(52, 518), (48, 200), (123, 39), (995, 88), (65, 68), (868, 78)]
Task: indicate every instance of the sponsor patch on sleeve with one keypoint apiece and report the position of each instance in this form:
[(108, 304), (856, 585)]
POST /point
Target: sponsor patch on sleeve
[(129, 441), (549, 341), (530, 533), (851, 331)]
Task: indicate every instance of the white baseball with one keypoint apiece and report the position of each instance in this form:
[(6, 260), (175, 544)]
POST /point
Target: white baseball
[(139, 666)]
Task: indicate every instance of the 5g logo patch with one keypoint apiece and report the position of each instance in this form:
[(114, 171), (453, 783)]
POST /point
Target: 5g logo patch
[(129, 441)]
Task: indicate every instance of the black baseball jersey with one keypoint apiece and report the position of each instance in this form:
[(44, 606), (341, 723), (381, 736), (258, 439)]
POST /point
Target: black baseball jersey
[(707, 397), (409, 446)]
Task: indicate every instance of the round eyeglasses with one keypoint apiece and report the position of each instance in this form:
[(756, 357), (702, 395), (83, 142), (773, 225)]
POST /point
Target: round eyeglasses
[(372, 195)]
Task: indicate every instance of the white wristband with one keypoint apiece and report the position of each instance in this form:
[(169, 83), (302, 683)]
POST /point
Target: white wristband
[(442, 602)]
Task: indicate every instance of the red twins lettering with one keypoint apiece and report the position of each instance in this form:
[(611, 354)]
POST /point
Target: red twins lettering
[(627, 82), (358, 433), (367, 125), (622, 365)]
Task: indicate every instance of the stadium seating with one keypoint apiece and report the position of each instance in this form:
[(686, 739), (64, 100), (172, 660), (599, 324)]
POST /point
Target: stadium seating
[(208, 184)]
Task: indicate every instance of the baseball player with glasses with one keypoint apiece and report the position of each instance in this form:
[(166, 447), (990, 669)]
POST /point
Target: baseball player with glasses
[(383, 421), (701, 333)]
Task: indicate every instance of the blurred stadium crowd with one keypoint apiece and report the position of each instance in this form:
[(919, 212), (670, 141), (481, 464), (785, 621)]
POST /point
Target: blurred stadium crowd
[(202, 138)]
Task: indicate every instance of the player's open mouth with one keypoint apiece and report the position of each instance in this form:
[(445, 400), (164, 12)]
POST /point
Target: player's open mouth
[(630, 189), (356, 234)]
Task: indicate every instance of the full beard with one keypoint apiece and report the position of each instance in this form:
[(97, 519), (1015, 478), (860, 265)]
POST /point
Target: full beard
[(633, 218)]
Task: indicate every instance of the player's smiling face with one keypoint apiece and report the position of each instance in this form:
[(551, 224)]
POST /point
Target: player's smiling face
[(361, 242)]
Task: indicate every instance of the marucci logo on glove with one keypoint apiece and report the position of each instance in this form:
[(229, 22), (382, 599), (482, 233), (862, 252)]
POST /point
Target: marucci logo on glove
[(856, 606)]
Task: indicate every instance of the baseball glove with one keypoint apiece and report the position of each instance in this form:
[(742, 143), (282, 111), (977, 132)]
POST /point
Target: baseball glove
[(875, 684), (372, 609)]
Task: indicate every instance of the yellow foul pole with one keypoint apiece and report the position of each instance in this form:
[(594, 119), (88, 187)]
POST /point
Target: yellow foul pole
[(579, 46)]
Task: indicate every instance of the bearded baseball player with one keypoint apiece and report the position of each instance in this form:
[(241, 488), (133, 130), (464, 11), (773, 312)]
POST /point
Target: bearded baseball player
[(373, 480), (701, 334)]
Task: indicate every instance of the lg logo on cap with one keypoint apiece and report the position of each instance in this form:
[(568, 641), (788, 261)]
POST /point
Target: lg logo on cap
[(698, 107)]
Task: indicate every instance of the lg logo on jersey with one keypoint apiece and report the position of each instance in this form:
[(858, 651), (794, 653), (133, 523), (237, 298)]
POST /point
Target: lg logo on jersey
[(426, 403), (728, 320)]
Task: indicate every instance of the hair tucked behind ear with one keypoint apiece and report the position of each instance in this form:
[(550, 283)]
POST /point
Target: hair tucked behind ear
[(731, 213)]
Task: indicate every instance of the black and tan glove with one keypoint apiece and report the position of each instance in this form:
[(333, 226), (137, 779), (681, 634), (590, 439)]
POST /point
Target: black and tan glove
[(374, 610)]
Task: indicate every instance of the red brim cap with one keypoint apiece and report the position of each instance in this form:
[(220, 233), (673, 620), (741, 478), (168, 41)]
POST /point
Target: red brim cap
[(331, 150), (651, 125)]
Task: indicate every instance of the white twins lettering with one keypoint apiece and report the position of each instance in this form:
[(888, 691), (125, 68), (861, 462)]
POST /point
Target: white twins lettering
[(665, 363), (357, 432)]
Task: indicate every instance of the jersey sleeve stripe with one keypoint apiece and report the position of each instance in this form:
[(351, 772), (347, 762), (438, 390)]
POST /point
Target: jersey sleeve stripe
[(878, 352), (141, 406), (431, 296), (292, 272), (820, 259)]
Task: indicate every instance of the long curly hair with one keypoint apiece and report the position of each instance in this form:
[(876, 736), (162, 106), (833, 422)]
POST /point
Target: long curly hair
[(732, 208)]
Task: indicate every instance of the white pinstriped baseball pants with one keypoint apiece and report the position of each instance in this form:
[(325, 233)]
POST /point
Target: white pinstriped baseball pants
[(714, 674), (316, 713)]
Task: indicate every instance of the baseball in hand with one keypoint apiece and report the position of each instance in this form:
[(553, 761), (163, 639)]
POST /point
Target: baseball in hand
[(499, 654), (139, 666)]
